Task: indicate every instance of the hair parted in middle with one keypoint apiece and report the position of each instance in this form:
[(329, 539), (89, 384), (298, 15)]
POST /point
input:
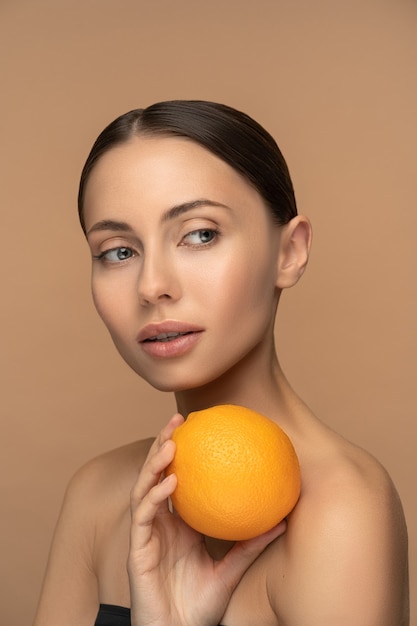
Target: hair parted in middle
[(233, 136)]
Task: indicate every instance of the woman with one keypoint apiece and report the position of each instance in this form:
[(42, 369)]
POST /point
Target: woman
[(190, 214)]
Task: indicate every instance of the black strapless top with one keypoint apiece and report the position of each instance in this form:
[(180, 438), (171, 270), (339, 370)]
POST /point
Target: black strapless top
[(111, 615)]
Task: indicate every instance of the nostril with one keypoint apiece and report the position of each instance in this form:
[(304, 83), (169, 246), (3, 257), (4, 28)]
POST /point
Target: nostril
[(148, 297), (157, 281)]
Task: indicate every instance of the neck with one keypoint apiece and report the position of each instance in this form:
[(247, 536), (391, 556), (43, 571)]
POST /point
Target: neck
[(256, 382)]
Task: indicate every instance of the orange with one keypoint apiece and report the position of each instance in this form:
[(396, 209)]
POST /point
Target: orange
[(237, 471)]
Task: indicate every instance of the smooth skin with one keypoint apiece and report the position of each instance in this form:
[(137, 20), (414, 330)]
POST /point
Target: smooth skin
[(177, 236)]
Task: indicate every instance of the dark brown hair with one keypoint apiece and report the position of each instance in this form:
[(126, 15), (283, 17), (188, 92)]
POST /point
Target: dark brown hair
[(229, 134)]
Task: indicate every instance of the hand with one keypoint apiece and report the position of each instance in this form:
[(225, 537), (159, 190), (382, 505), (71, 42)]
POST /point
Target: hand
[(173, 579)]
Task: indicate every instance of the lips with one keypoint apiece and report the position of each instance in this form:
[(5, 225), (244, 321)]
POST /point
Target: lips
[(169, 339), (166, 336), (166, 331)]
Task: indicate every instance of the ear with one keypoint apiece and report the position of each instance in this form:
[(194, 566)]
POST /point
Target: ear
[(294, 251)]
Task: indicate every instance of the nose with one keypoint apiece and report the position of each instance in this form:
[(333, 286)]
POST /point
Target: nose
[(157, 280)]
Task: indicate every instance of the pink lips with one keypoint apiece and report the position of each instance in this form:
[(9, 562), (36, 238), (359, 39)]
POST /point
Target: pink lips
[(169, 338)]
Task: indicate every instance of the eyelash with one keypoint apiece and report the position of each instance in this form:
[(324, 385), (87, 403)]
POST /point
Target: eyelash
[(103, 256), (206, 244)]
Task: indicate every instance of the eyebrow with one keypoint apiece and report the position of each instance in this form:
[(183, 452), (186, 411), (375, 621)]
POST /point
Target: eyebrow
[(179, 209), (110, 225), (171, 214)]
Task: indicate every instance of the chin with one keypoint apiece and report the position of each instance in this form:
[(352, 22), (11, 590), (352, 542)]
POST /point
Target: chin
[(181, 376), (171, 387), (174, 384), (169, 384)]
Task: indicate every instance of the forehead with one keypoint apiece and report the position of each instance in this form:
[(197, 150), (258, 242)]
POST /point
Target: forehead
[(159, 172)]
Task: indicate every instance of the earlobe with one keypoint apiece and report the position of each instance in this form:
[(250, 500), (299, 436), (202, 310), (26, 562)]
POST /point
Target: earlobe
[(294, 251)]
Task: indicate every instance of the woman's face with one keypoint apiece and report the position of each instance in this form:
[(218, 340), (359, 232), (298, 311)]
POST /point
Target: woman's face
[(184, 261)]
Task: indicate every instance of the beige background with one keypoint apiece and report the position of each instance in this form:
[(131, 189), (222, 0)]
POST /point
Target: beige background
[(335, 82)]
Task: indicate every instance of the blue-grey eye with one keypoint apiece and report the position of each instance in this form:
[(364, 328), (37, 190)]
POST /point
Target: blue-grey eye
[(117, 254), (201, 236)]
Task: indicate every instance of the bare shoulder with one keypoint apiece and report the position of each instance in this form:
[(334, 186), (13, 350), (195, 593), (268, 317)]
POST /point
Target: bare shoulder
[(344, 478), (97, 495), (102, 485), (345, 551), (115, 471)]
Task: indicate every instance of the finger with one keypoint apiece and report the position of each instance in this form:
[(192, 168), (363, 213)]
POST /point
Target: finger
[(168, 430), (144, 515), (244, 553), (142, 534), (150, 475), (155, 462)]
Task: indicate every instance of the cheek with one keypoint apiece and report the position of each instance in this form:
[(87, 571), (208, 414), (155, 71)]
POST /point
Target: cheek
[(108, 305), (252, 275), (99, 299), (243, 283)]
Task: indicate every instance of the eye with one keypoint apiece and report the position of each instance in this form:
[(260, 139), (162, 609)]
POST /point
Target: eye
[(200, 237), (116, 255)]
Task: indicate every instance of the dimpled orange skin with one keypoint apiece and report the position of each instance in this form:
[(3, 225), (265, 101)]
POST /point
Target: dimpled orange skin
[(238, 473)]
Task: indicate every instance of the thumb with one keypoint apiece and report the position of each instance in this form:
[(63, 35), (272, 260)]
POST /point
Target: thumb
[(239, 558)]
